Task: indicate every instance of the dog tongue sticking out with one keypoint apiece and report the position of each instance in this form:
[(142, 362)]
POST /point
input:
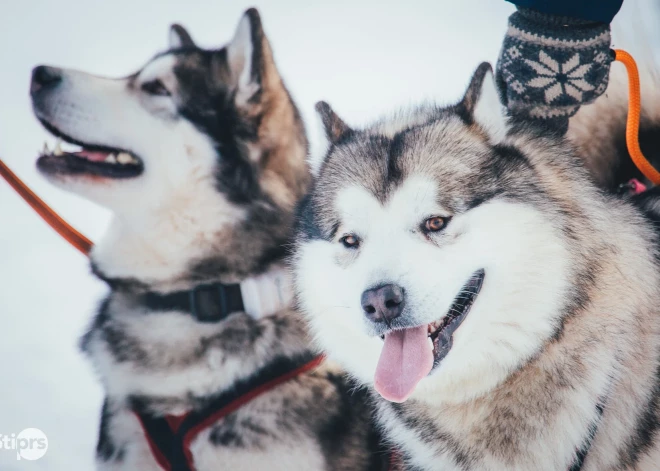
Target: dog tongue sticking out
[(406, 358)]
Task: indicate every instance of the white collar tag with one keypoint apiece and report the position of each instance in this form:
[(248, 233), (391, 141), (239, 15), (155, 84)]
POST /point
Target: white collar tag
[(268, 293)]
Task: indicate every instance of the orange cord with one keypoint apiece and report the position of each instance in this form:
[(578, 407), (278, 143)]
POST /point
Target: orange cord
[(634, 111), (62, 227)]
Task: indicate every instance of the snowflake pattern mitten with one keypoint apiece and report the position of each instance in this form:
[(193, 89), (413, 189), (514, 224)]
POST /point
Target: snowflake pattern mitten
[(550, 65)]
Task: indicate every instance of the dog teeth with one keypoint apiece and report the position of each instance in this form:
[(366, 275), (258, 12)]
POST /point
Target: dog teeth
[(58, 148), (45, 150), (125, 158), (111, 159)]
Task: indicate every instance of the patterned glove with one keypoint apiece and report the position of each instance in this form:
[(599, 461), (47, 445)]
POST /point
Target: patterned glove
[(550, 65)]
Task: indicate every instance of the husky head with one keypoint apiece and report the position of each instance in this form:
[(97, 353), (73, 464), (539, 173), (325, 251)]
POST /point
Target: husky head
[(430, 258), (185, 152)]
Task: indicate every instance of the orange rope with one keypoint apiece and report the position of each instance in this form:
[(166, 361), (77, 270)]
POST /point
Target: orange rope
[(634, 110), (62, 227)]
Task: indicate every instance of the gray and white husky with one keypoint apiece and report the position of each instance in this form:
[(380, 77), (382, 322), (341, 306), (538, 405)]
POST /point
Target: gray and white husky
[(200, 155), (504, 308)]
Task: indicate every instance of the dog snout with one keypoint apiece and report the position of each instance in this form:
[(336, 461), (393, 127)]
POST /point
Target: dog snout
[(383, 303), (44, 77)]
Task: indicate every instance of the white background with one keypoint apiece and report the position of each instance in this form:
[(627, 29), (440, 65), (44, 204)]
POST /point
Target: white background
[(363, 57)]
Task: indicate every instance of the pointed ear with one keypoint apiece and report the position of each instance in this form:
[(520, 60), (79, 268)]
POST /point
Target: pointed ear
[(250, 58), (482, 102), (179, 37), (335, 128)]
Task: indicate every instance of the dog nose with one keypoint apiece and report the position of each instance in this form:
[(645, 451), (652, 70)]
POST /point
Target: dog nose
[(44, 77), (384, 303)]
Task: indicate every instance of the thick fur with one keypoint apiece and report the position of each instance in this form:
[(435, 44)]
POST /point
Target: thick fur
[(566, 324), (224, 165)]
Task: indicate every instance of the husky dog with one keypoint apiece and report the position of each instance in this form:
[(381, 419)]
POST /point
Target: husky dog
[(504, 308), (201, 156)]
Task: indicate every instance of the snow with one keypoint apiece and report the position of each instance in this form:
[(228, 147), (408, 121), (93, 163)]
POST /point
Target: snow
[(363, 57)]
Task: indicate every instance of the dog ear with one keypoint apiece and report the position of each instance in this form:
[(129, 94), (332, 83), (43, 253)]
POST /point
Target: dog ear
[(482, 103), (335, 128), (179, 37), (250, 57)]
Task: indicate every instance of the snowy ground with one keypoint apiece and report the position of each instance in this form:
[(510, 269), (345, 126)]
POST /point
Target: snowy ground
[(364, 57)]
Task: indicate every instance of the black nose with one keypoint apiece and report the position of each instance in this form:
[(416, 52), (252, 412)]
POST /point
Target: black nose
[(384, 303), (44, 77)]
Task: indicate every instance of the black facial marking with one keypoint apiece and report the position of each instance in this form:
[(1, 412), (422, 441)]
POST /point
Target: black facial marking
[(208, 102), (306, 221), (397, 149)]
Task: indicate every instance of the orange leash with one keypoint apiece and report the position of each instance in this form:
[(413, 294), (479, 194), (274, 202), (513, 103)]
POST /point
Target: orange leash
[(634, 111), (62, 227)]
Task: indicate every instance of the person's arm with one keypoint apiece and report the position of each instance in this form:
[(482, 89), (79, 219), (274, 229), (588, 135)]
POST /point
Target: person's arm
[(550, 64), (597, 11)]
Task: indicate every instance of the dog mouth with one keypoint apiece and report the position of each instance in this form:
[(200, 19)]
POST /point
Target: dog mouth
[(441, 332), (87, 159), (410, 354)]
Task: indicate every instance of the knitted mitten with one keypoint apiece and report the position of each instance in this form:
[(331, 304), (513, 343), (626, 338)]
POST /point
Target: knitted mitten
[(550, 65)]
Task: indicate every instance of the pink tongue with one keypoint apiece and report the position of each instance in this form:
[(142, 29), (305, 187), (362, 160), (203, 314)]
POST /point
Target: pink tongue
[(94, 156), (405, 360)]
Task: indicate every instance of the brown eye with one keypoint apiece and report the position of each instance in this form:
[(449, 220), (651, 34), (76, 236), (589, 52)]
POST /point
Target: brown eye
[(350, 241), (434, 224), (155, 87)]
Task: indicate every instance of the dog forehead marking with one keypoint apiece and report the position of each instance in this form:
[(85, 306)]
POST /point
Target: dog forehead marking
[(415, 198)]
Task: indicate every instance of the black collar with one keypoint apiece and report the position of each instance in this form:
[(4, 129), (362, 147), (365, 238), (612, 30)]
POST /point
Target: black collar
[(206, 303)]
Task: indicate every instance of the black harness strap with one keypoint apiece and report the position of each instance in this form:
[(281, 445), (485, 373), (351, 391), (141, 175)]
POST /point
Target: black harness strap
[(169, 437), (207, 303)]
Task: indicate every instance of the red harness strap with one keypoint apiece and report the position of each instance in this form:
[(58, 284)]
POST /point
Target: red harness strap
[(395, 462), (170, 437)]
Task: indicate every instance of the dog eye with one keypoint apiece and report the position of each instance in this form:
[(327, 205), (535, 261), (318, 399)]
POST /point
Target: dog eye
[(350, 241), (434, 224), (155, 87)]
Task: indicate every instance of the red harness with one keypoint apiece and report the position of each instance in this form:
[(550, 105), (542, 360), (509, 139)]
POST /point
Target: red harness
[(170, 436)]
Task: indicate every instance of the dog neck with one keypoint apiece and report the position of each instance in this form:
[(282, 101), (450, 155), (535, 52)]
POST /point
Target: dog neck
[(155, 247)]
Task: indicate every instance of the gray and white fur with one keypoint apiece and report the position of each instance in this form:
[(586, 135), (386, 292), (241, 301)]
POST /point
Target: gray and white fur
[(555, 359), (201, 157)]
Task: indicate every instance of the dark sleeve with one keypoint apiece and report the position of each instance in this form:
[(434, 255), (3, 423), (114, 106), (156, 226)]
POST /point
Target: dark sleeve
[(591, 10)]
